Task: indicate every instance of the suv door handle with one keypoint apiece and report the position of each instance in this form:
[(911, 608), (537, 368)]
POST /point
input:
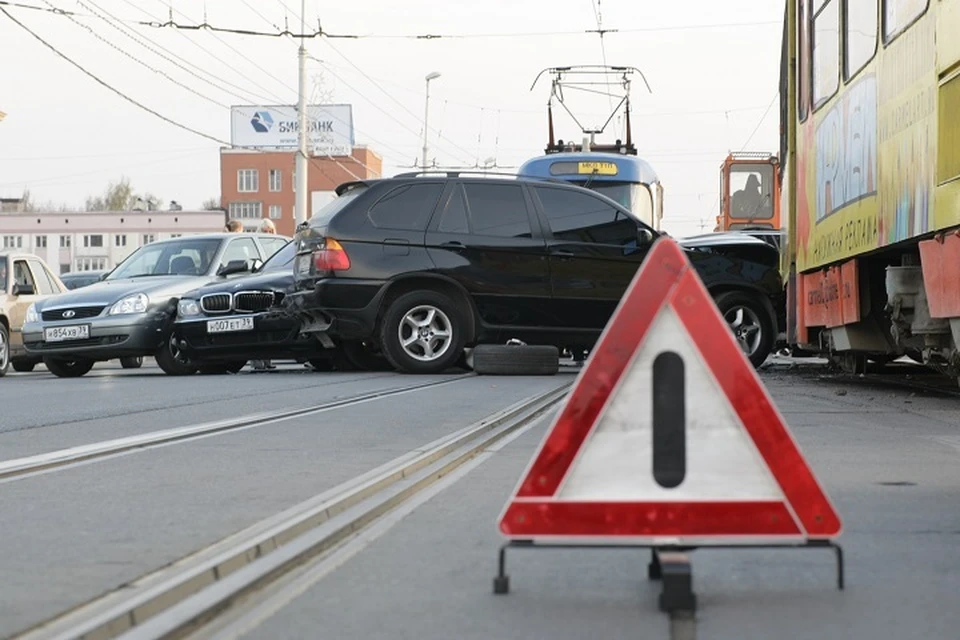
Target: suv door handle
[(560, 253), (453, 244)]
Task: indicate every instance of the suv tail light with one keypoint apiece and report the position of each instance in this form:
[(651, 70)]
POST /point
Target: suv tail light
[(331, 257)]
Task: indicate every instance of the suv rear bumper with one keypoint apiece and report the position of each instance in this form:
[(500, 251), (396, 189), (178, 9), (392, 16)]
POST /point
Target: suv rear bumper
[(347, 307)]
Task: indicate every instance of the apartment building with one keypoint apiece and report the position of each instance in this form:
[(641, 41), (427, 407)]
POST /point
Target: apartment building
[(91, 241), (262, 184)]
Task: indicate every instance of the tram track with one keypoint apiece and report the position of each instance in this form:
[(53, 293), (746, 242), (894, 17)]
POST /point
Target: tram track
[(6, 430), (20, 468), (178, 598)]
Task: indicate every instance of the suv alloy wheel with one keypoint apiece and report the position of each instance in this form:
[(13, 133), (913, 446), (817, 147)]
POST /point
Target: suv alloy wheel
[(748, 321), (422, 332)]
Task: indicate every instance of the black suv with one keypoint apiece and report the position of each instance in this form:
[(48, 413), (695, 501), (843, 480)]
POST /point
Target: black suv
[(419, 267)]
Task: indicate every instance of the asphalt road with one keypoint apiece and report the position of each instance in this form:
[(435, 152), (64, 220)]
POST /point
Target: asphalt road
[(80, 531), (889, 458)]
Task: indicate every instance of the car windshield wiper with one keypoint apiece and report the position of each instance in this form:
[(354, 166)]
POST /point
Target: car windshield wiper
[(143, 275)]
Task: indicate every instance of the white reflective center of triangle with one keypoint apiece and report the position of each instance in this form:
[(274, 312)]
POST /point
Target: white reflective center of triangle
[(615, 462)]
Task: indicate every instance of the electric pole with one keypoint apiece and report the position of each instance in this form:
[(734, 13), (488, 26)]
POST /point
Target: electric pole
[(302, 196)]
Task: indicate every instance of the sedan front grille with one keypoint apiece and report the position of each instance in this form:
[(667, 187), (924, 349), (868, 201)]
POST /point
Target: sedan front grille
[(252, 301), (215, 303), (71, 313)]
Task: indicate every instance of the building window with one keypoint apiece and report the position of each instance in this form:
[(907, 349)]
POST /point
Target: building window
[(120, 241), (91, 264), (861, 35), (41, 242), (246, 209), (64, 242), (826, 53), (276, 180), (248, 180), (148, 238), (276, 212), (64, 268), (176, 235), (13, 242), (93, 241)]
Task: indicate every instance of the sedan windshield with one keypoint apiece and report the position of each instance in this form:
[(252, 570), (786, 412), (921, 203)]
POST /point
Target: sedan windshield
[(282, 258), (186, 257)]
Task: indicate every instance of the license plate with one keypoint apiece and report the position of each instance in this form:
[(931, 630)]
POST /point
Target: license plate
[(71, 332), (229, 324)]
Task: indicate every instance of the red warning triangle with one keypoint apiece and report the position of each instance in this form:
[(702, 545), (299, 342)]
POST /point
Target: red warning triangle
[(599, 473)]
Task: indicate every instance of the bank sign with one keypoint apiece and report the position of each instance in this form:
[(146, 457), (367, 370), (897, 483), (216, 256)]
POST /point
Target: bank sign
[(330, 128)]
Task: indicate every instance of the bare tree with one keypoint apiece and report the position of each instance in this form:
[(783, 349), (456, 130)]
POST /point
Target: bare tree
[(211, 204)]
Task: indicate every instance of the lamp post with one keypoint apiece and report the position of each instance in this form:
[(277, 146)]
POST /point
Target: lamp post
[(433, 75)]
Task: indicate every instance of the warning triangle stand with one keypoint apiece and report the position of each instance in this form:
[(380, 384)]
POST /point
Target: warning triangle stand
[(668, 440)]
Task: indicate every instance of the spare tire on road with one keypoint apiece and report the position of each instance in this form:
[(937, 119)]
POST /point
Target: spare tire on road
[(516, 360)]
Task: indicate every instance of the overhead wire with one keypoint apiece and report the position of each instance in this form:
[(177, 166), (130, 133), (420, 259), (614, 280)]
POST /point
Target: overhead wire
[(127, 54), (390, 95), (241, 54), (149, 110), (209, 53), (206, 26), (108, 86), (158, 50)]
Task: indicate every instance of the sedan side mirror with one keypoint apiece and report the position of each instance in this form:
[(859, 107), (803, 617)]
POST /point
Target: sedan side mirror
[(644, 235), (23, 290), (234, 266)]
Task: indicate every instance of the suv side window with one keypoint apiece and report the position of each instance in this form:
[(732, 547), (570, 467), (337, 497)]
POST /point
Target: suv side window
[(580, 217), (454, 217), (408, 207), (498, 210)]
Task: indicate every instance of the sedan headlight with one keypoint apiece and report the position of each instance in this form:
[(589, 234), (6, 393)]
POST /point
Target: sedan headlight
[(187, 308), (32, 315), (137, 303)]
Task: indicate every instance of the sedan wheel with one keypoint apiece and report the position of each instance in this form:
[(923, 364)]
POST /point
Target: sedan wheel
[(4, 350), (172, 360)]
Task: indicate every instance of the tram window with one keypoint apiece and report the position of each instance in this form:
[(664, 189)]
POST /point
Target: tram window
[(826, 52), (900, 14), (860, 39), (803, 95)]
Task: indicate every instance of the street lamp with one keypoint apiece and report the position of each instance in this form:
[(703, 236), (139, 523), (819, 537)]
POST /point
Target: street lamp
[(433, 75)]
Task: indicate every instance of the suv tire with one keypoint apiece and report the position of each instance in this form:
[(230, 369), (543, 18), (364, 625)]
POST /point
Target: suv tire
[(362, 357), (63, 368), (516, 360), (749, 322), (422, 332)]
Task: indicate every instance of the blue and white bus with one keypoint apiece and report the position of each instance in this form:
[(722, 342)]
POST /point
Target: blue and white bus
[(624, 178)]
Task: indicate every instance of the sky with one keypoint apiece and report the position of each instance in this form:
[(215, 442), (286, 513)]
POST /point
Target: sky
[(712, 67)]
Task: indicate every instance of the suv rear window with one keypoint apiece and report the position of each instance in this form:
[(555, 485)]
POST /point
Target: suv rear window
[(407, 207), (323, 217)]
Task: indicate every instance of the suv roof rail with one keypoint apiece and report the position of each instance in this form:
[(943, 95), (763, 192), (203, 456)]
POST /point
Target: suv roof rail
[(456, 173)]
